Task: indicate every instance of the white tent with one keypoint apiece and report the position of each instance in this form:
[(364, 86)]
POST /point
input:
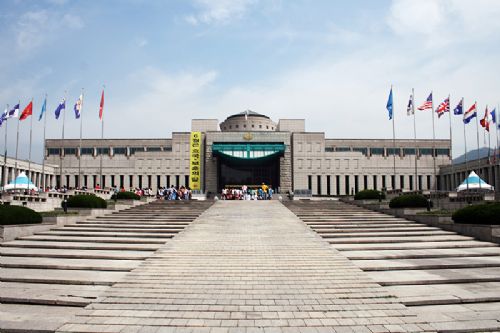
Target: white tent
[(474, 183), (22, 182)]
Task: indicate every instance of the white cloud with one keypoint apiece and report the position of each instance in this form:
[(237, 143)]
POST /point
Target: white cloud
[(218, 11)]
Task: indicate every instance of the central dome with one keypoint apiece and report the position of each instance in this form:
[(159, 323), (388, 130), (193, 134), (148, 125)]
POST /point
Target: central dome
[(247, 121)]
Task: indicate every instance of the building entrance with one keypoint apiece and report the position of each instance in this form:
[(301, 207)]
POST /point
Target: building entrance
[(248, 164)]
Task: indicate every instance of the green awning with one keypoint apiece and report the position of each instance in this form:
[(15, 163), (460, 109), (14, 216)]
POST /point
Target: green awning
[(248, 151)]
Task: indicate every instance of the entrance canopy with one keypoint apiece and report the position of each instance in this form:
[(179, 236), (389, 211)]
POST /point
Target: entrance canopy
[(248, 151), (473, 182)]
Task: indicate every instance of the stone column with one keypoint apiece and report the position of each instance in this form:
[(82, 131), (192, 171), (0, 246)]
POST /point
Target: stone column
[(286, 172)]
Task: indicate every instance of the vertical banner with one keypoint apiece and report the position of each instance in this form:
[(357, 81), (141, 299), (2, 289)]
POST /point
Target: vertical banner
[(194, 161)]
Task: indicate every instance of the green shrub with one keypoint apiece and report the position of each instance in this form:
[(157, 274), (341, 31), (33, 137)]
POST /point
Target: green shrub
[(86, 201), (18, 215), (488, 213), (408, 201), (126, 196), (369, 194)]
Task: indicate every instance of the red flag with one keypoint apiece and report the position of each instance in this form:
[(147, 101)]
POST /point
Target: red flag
[(28, 111), (101, 106), (485, 122)]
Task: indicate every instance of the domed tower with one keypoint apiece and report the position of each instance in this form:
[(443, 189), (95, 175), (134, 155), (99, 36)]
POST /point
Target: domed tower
[(247, 121)]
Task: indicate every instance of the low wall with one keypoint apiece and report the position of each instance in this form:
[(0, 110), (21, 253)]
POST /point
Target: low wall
[(11, 232)]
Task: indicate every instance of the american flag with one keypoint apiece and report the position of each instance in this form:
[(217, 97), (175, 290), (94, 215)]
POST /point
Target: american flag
[(427, 104), (443, 107)]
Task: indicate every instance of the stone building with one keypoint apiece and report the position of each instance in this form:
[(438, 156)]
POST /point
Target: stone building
[(249, 148)]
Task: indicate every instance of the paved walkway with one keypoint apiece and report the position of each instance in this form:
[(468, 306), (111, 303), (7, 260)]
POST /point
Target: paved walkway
[(246, 267)]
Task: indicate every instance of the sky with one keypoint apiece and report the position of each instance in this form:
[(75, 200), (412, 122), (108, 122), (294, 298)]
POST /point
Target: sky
[(163, 63)]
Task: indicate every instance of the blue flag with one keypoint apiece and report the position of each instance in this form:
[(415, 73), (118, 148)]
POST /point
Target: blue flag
[(14, 112), (60, 108), (459, 109), (389, 105), (4, 117), (44, 107)]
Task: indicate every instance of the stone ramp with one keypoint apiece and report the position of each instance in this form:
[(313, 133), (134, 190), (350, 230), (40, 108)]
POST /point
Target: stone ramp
[(246, 266), (47, 277), (449, 280)]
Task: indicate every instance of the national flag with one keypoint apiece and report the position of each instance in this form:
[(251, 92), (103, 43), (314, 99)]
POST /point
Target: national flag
[(4, 116), (410, 109), (60, 107), (101, 106), (443, 107), (389, 105), (485, 122), (427, 104), (459, 109), (44, 108), (493, 116), (78, 106), (14, 112), (28, 111), (470, 114)]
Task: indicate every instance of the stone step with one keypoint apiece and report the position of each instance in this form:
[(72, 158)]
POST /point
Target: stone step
[(427, 264), (110, 233), (382, 228), (377, 234), (477, 251), (59, 276), (75, 253), (75, 264), (120, 228), (341, 239), (79, 245), (437, 276), (410, 246), (96, 239)]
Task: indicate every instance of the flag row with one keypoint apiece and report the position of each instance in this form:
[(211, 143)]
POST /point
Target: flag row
[(490, 117), (28, 110)]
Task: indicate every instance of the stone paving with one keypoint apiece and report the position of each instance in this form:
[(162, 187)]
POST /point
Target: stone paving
[(246, 267), (449, 280), (48, 277)]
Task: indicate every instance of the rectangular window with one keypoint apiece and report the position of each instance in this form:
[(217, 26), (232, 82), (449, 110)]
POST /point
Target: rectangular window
[(365, 182), (342, 149), (167, 148), (377, 151), (87, 151), (131, 180), (149, 181), (153, 149), (53, 151), (411, 183), (134, 149), (104, 151), (309, 182), (393, 182), (384, 182), (122, 179), (420, 182), (140, 181), (168, 181), (120, 151), (177, 180), (94, 180), (375, 182), (76, 181), (318, 178), (328, 186), (393, 151), (69, 151), (426, 151), (103, 181), (85, 181), (409, 151), (429, 185), (363, 151), (329, 149), (443, 151), (158, 179)]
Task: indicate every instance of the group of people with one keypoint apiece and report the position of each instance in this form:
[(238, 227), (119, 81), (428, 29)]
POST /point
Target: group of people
[(175, 193), (263, 192)]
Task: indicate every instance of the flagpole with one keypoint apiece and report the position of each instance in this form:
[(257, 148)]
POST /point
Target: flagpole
[(433, 143), (5, 173), (452, 179), (465, 144), (478, 154), (43, 157), (102, 140), (31, 140), (393, 141), (62, 143), (17, 148), (80, 147), (415, 136)]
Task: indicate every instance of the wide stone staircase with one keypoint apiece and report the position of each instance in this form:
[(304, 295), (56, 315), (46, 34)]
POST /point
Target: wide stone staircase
[(449, 280), (47, 277)]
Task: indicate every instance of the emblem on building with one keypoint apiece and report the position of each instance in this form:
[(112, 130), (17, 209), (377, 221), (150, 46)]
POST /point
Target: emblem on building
[(248, 136)]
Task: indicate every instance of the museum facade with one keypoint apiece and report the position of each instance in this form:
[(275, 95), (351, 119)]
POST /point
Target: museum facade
[(249, 148)]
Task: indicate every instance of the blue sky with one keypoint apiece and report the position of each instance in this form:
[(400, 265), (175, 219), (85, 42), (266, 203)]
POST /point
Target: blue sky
[(166, 62)]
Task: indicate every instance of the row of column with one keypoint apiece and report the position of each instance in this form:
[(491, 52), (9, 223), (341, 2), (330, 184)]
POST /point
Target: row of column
[(490, 174), (126, 181), (350, 184)]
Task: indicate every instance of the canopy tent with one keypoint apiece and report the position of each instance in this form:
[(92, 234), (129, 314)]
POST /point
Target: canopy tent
[(474, 183), (22, 182)]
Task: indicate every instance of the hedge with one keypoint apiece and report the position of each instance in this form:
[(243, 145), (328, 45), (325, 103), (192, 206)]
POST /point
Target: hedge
[(125, 196), (488, 213), (408, 201), (86, 201), (369, 194), (18, 215)]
